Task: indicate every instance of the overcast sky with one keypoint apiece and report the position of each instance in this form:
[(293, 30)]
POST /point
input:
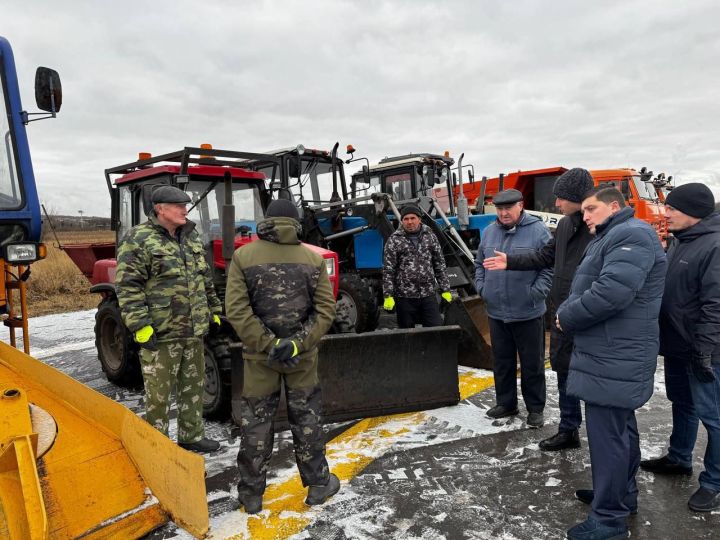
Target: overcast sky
[(513, 85)]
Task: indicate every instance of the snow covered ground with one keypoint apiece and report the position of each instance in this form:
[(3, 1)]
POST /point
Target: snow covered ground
[(441, 474)]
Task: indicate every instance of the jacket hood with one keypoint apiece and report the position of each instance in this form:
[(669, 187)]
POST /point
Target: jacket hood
[(708, 225), (617, 218), (279, 230)]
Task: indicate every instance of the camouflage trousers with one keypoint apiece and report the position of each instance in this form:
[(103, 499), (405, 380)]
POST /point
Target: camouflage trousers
[(179, 364), (261, 396)]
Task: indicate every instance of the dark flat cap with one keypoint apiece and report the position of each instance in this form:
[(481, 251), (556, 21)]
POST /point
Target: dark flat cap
[(507, 197), (169, 194)]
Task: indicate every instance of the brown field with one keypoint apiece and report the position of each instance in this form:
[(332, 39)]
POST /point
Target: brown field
[(56, 285)]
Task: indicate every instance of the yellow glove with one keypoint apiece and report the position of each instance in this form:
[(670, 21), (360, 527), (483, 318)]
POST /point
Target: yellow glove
[(216, 319), (144, 334), (389, 303), (447, 296), (146, 338)]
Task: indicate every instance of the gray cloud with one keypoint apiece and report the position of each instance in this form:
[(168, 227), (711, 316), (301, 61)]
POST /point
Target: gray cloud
[(512, 85)]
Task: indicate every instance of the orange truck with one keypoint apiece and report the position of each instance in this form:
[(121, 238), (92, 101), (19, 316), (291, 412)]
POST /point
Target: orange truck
[(639, 187)]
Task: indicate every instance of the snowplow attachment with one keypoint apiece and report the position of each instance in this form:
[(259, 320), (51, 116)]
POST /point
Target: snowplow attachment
[(379, 373), (474, 347), (74, 463)]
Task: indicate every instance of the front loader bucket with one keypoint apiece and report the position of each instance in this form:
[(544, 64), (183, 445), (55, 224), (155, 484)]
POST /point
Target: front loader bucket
[(74, 463), (380, 373), (474, 347)]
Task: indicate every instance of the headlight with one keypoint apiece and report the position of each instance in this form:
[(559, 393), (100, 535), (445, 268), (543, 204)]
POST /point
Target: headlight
[(330, 265), (22, 253)]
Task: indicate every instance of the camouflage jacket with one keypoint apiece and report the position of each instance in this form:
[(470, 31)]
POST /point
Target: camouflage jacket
[(414, 272), (165, 282), (278, 288)]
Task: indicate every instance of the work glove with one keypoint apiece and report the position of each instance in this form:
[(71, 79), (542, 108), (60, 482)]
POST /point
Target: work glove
[(447, 296), (146, 338), (284, 352), (215, 319), (389, 303), (701, 365)]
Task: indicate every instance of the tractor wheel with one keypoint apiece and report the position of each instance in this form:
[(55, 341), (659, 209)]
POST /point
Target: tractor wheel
[(116, 349), (357, 306), (218, 383)]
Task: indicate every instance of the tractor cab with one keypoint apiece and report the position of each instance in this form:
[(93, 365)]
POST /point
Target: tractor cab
[(404, 177)]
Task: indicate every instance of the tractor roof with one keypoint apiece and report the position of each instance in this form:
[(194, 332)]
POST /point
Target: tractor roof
[(409, 159), (198, 170)]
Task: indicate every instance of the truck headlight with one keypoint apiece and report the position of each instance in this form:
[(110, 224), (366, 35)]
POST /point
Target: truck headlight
[(23, 253)]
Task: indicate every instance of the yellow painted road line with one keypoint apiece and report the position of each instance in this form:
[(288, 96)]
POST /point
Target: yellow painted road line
[(284, 510)]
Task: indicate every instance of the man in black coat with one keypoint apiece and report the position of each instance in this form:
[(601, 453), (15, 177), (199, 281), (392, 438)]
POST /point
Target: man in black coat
[(690, 339), (563, 253)]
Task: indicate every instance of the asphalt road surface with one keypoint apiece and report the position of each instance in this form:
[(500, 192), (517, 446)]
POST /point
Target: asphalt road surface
[(449, 473)]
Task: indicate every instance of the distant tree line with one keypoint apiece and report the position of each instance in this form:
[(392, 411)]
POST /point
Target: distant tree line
[(74, 223)]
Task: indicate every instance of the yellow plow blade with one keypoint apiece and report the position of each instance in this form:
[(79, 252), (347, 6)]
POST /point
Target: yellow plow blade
[(99, 471)]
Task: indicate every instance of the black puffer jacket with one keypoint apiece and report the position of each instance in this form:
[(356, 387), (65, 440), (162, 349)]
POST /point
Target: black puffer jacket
[(690, 311), (562, 253)]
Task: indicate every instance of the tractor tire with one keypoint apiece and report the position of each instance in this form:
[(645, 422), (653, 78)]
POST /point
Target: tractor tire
[(218, 378), (116, 349), (357, 305)]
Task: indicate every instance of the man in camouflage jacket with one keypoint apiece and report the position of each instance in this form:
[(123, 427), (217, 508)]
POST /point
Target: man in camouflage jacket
[(167, 300), (414, 268), (280, 301)]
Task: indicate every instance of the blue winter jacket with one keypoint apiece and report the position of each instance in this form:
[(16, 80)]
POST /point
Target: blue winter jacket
[(612, 313), (513, 295)]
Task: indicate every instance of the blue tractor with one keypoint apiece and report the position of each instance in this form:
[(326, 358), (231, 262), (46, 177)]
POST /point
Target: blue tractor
[(357, 218), (20, 221)]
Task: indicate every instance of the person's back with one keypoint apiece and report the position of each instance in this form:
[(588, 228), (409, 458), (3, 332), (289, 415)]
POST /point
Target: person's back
[(280, 302)]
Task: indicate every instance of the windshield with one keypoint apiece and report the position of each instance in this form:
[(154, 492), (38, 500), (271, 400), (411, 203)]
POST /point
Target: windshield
[(10, 192), (207, 214), (645, 189), (399, 186)]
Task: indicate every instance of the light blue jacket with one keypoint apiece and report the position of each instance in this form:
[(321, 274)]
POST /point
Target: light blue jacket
[(513, 295)]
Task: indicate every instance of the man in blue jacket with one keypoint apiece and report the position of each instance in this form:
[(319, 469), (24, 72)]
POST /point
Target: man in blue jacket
[(515, 303), (612, 314), (690, 339)]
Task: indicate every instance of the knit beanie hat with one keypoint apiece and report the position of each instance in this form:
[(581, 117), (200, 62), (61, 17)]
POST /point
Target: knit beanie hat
[(573, 184), (410, 209), (694, 199), (282, 208)]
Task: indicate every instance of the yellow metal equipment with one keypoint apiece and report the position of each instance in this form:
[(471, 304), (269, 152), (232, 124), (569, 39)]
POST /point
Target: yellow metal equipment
[(74, 463)]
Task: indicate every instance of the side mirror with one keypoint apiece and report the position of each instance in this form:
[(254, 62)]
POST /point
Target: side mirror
[(48, 90)]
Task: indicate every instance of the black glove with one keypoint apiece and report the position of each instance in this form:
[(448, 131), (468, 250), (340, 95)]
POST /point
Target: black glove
[(701, 365), (284, 352)]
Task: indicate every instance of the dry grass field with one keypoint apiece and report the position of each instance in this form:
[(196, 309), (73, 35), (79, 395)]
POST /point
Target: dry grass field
[(56, 285)]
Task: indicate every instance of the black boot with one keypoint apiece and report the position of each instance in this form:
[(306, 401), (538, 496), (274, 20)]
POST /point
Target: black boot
[(320, 494), (251, 503), (663, 465), (501, 411), (560, 441), (203, 446), (704, 500)]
